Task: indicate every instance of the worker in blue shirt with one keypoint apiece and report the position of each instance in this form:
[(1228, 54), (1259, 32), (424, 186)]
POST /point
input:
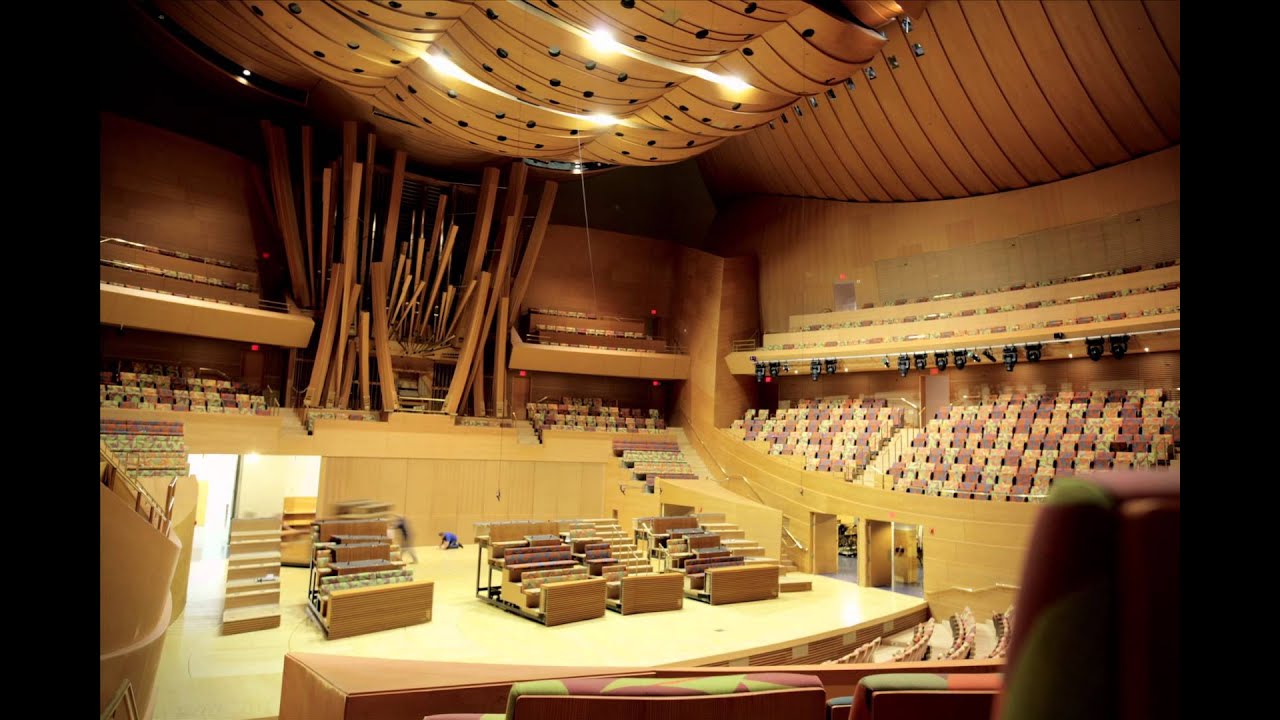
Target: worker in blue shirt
[(449, 541)]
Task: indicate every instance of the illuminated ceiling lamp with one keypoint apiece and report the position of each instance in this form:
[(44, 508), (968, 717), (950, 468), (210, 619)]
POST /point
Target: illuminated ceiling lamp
[(602, 41)]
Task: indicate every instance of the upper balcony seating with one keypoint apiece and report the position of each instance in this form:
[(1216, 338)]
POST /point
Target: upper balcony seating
[(1013, 447), (147, 448), (593, 415), (173, 272), (831, 435), (576, 329), (158, 387)]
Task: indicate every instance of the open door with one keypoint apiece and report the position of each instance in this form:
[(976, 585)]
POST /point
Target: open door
[(875, 554), (824, 540)]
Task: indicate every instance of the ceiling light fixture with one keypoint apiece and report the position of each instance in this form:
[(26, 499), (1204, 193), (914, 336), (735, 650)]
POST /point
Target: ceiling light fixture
[(246, 72), (445, 66), (602, 40), (603, 120), (731, 82)]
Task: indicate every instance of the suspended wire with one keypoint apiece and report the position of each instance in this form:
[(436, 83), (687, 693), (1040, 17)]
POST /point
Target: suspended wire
[(586, 222)]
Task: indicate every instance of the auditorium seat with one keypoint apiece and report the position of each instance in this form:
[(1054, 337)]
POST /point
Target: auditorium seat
[(743, 695), (1097, 632), (825, 435)]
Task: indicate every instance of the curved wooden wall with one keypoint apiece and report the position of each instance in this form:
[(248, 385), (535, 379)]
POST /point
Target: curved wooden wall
[(804, 245), (976, 98)]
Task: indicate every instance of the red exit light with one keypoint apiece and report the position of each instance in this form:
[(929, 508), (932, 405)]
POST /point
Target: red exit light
[(266, 256), (523, 373), (656, 383), (843, 276), (653, 312), (768, 378), (254, 348)]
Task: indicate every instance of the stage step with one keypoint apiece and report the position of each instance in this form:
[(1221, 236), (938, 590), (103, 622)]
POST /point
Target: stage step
[(254, 534), (726, 534), (253, 558), (253, 583), (249, 598), (248, 619), (794, 585), (746, 551), (718, 526), (237, 548), (256, 570)]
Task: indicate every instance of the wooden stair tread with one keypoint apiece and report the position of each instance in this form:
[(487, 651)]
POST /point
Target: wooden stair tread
[(269, 555), (252, 583), (248, 534), (251, 612)]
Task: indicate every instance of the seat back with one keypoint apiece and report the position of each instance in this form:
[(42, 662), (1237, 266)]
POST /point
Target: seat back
[(763, 695), (1101, 594)]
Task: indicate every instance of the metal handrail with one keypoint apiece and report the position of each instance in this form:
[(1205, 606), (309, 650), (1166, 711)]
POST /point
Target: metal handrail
[(184, 256), (124, 694), (796, 542)]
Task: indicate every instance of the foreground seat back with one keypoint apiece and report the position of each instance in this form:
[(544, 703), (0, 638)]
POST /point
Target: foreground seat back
[(1098, 613)]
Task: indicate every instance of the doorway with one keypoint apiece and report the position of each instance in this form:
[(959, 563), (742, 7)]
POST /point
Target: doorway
[(908, 560), (216, 478)]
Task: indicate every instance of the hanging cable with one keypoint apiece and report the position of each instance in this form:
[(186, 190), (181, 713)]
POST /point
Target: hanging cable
[(586, 222)]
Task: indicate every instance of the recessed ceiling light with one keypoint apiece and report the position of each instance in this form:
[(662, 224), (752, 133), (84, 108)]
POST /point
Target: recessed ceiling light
[(603, 41), (443, 65), (602, 119), (246, 72)]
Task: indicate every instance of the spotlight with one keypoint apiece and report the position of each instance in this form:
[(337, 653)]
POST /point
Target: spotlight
[(886, 361), (921, 361), (940, 359), (1119, 345), (815, 369), (1094, 348), (1033, 352), (973, 355), (786, 368), (903, 365), (760, 372), (961, 357), (1010, 358), (774, 367), (831, 366), (987, 353)]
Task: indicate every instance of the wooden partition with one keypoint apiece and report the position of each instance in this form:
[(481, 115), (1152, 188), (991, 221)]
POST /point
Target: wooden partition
[(761, 523), (357, 611)]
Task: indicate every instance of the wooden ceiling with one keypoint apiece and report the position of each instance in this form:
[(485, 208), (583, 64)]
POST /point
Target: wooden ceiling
[(460, 83), (977, 97)]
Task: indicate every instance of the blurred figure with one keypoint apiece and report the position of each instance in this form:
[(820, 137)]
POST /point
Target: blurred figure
[(406, 543), (449, 541)]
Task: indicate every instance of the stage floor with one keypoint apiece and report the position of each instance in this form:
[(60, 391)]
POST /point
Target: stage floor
[(237, 677)]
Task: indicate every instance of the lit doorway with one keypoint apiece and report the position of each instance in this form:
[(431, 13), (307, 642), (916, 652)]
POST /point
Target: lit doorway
[(908, 560), (216, 478)]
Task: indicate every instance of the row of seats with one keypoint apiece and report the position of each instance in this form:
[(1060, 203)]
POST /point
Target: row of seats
[(176, 275), (1043, 283), (993, 329), (329, 583), (592, 414), (145, 448), (1003, 622), (838, 435), (964, 634), (598, 332), (995, 309), (220, 301), (918, 648), (178, 254), (174, 377)]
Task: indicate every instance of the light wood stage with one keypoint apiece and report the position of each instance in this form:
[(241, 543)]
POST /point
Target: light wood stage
[(205, 675)]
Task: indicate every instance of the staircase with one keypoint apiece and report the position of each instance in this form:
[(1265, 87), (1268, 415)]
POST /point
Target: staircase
[(525, 434), (252, 600), (734, 538), (691, 455), (621, 546)]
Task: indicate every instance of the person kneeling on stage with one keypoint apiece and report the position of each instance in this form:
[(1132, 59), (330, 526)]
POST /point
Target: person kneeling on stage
[(449, 541)]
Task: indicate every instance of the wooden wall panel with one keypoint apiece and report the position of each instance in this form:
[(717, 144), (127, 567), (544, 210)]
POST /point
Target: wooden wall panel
[(442, 494), (163, 189), (629, 392), (804, 245), (633, 274)]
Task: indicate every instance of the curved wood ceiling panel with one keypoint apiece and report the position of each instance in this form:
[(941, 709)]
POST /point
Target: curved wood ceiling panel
[(473, 80), (862, 100), (976, 97)]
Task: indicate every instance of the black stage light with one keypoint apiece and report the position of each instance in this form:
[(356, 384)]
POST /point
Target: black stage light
[(759, 372), (973, 355), (903, 365), (1033, 352), (815, 369), (961, 358), (988, 355), (940, 359), (921, 361), (1010, 357), (774, 367), (1059, 336), (1119, 346), (831, 366), (1094, 347), (786, 368), (886, 361)]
